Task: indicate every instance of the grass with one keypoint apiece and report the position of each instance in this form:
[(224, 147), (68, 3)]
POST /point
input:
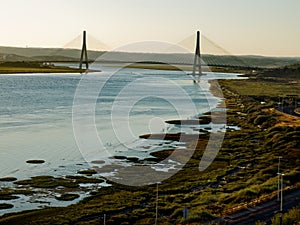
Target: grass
[(290, 217), (32, 67), (164, 66), (157, 66), (270, 88), (269, 83)]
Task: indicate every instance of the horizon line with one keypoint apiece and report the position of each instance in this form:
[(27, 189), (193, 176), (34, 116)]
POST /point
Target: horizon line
[(97, 50)]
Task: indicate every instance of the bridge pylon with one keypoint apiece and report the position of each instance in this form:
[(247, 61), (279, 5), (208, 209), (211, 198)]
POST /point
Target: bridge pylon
[(84, 53), (197, 70)]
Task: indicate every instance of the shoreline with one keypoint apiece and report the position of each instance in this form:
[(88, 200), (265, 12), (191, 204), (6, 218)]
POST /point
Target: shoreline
[(159, 156), (183, 67), (243, 162), (33, 67), (13, 70)]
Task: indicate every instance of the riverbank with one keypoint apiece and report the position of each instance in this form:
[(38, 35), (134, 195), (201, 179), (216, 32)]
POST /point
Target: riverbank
[(32, 67), (35, 67), (185, 67), (245, 169)]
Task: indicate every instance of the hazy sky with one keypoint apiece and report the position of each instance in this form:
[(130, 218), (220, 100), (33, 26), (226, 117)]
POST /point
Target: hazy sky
[(264, 27)]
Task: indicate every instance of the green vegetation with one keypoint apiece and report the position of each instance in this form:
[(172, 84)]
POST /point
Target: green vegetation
[(290, 218), (243, 173), (270, 88), (185, 67), (283, 73), (157, 66), (34, 67), (269, 83), (199, 216)]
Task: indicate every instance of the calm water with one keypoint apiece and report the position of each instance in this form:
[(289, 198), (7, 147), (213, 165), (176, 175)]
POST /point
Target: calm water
[(36, 116)]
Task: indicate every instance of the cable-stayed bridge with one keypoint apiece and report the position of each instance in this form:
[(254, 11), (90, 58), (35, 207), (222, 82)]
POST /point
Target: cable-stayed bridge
[(176, 54), (181, 53)]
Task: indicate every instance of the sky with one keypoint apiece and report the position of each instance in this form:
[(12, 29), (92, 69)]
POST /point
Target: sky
[(242, 27)]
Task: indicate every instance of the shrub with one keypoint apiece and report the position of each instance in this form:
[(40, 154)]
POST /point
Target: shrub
[(260, 223), (290, 218), (201, 216)]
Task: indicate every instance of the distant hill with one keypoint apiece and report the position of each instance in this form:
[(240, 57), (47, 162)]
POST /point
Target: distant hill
[(61, 54), (41, 54)]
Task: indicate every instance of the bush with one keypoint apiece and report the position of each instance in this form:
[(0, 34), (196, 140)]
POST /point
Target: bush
[(260, 223), (290, 218), (202, 216)]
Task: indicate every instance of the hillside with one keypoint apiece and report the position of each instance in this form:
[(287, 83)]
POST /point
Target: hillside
[(60, 54)]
